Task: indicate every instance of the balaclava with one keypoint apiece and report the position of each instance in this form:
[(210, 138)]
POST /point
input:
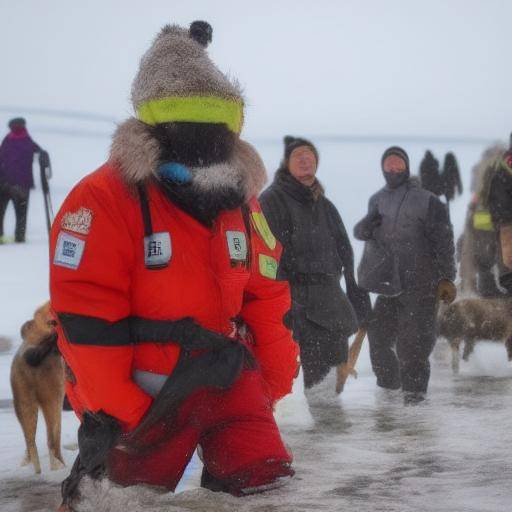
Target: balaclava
[(394, 180)]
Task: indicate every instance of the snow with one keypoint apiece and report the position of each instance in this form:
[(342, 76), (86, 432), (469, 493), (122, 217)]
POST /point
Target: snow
[(366, 450)]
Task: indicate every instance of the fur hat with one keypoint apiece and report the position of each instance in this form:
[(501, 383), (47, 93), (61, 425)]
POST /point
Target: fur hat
[(291, 143), (178, 84), (177, 81)]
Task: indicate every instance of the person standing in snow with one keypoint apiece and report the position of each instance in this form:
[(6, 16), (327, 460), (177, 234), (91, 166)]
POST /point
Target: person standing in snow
[(408, 261), (477, 247), (170, 317), (500, 207), (16, 179), (316, 253)]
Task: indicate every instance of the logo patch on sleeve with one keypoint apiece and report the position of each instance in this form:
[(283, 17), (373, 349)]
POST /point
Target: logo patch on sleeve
[(237, 245), (268, 266), (263, 229), (69, 251), (79, 221)]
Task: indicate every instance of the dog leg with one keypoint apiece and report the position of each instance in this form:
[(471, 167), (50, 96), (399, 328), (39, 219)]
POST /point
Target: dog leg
[(508, 346), (26, 459), (468, 349), (455, 344), (52, 415), (27, 416)]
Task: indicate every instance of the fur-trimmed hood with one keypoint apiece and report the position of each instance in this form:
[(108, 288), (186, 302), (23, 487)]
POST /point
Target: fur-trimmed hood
[(178, 87), (137, 153)]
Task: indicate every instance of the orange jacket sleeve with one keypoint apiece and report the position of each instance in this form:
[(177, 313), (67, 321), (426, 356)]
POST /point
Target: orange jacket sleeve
[(266, 302), (91, 256)]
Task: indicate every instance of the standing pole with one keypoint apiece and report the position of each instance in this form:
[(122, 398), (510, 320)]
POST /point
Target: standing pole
[(45, 167)]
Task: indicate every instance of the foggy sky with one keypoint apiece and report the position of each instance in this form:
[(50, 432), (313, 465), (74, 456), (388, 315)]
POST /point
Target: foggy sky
[(324, 67)]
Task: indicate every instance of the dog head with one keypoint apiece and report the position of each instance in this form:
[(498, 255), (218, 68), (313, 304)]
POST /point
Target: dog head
[(41, 327)]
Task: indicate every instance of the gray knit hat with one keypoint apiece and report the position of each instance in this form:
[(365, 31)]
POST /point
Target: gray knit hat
[(177, 81)]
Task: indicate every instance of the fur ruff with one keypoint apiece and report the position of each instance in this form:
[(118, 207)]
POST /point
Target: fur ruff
[(135, 150)]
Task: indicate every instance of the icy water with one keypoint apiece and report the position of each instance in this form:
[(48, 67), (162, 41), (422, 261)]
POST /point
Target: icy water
[(366, 452)]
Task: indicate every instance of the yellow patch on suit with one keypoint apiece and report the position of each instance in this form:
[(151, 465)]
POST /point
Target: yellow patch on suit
[(263, 229), (482, 221), (268, 266)]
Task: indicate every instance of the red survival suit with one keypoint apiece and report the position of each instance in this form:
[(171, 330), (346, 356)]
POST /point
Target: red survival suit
[(99, 270)]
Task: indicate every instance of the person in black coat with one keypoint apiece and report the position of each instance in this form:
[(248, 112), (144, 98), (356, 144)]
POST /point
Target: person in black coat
[(408, 260), (500, 207), (316, 253)]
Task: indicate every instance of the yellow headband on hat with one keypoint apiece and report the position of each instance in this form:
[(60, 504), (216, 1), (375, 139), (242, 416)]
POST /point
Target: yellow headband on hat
[(193, 109)]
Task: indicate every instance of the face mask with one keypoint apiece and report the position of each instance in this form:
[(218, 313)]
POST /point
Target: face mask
[(395, 179)]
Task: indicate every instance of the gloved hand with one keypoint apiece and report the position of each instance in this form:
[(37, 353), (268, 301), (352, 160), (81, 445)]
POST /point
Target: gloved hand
[(506, 282), (97, 435), (446, 291), (359, 298), (364, 229)]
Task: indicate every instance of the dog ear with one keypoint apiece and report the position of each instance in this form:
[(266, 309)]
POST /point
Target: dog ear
[(202, 32), (25, 328)]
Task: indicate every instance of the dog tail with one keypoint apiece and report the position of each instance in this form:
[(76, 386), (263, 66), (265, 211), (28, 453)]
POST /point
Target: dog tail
[(34, 356)]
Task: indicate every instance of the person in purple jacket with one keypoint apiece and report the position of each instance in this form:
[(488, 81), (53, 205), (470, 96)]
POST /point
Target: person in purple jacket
[(16, 179)]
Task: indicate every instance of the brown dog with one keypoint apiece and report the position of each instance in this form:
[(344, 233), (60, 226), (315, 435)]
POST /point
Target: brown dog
[(471, 320), (37, 381)]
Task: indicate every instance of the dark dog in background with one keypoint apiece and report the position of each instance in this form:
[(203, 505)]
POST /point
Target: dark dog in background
[(37, 381), (472, 320)]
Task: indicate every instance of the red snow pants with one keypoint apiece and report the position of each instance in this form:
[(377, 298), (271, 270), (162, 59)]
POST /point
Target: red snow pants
[(241, 444)]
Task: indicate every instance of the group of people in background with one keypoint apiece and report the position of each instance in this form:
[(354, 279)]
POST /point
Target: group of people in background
[(408, 261)]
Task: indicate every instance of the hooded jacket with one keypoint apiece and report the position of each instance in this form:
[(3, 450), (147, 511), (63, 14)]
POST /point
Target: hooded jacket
[(412, 248)]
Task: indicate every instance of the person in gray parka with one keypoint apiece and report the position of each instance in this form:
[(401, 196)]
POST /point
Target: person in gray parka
[(316, 253), (408, 260)]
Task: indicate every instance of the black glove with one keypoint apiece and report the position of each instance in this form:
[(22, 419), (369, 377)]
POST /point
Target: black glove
[(364, 228), (506, 282), (97, 435), (359, 298)]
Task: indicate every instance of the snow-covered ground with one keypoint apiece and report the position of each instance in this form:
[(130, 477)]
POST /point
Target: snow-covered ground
[(367, 451)]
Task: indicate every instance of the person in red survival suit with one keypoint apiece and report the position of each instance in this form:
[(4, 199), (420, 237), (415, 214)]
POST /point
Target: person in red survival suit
[(163, 281)]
